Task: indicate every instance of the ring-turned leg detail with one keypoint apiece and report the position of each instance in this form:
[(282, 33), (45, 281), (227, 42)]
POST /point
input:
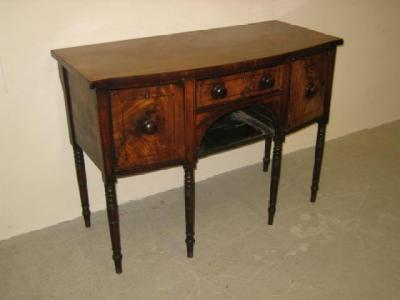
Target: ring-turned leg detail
[(189, 208), (319, 151), (267, 153), (275, 175), (113, 222), (81, 177)]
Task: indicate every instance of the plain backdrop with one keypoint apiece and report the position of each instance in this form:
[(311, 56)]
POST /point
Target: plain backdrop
[(37, 180)]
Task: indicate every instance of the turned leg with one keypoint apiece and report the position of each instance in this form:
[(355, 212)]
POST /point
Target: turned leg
[(81, 176), (189, 208), (319, 151), (267, 153), (275, 175), (113, 222)]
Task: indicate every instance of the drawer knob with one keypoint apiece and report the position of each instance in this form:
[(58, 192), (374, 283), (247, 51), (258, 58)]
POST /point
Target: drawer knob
[(219, 91), (311, 90), (149, 127), (267, 82)]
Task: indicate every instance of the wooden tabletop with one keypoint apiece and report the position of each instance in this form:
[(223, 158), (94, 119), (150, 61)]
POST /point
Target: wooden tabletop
[(189, 50)]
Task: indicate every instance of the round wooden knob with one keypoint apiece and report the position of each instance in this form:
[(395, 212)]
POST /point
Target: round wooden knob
[(311, 90), (149, 127), (219, 91), (267, 82)]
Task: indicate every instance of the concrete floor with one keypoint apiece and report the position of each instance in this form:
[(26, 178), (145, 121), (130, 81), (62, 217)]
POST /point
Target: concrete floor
[(346, 246)]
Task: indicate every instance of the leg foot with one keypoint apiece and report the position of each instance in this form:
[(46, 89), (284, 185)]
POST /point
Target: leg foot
[(81, 176), (275, 175), (271, 214), (267, 153), (113, 222), (189, 209), (117, 257), (189, 246), (319, 151)]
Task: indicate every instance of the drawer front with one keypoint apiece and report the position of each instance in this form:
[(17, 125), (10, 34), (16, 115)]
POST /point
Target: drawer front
[(146, 124), (307, 89), (216, 91)]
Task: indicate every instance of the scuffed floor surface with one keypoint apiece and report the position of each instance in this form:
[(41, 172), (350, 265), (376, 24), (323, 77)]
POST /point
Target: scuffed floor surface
[(346, 246)]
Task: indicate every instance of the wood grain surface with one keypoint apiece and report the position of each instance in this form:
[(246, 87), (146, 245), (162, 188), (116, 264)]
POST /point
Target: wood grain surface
[(308, 72), (240, 85), (132, 109), (187, 51)]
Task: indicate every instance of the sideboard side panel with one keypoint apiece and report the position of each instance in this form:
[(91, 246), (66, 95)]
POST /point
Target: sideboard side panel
[(84, 117), (330, 73)]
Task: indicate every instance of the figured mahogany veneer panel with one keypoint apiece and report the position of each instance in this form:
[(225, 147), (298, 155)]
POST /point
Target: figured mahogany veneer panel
[(307, 89), (146, 125), (239, 85)]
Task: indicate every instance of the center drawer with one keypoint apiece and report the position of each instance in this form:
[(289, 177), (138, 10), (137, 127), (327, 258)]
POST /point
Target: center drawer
[(220, 90)]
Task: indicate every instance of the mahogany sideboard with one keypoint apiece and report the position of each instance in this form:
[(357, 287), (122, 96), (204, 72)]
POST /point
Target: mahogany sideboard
[(143, 104)]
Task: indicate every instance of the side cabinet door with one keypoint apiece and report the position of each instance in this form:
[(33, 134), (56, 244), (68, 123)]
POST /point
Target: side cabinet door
[(307, 89), (147, 125)]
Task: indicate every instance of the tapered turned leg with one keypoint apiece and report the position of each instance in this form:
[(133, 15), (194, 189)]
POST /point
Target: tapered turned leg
[(319, 151), (113, 222), (81, 176), (267, 153), (275, 175), (189, 208)]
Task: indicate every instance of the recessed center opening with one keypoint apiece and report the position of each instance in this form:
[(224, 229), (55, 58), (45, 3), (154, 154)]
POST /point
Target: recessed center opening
[(238, 128)]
